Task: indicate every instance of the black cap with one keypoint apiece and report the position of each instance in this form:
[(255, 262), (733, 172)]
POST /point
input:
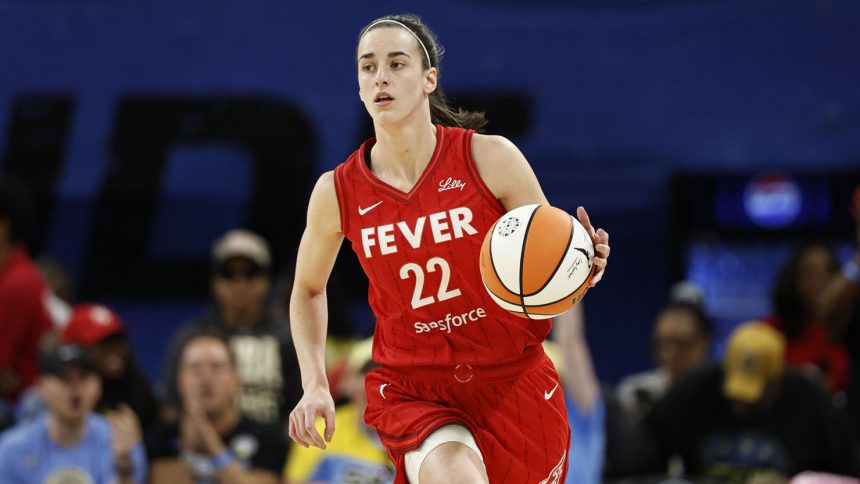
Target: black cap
[(60, 359)]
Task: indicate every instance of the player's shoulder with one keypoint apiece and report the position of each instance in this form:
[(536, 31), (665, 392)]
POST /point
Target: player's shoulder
[(492, 144), (324, 205), (495, 150), (325, 183), (325, 190), (500, 164)]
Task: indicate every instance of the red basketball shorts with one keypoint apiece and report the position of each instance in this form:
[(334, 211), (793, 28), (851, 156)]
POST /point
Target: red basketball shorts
[(515, 411)]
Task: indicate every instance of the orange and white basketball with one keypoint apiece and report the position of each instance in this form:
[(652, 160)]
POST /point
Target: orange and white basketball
[(536, 261)]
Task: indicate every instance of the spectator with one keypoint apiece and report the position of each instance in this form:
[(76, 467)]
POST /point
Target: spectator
[(729, 421), (796, 292), (355, 453), (839, 309), (123, 382), (265, 357), (605, 441), (71, 443), (213, 441), (681, 342), (24, 318)]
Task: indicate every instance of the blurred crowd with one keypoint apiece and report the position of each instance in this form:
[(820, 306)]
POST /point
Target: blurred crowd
[(781, 403)]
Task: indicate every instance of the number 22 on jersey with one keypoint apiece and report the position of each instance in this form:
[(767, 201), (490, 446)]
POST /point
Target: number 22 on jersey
[(443, 293)]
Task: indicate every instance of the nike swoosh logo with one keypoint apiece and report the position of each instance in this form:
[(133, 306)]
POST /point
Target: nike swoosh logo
[(549, 394), (362, 211), (382, 387)]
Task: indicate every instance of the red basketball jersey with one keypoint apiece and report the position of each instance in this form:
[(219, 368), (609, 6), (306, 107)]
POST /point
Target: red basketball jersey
[(420, 251)]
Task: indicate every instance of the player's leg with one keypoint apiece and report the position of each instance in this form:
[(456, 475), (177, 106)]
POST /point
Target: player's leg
[(452, 462), (449, 454)]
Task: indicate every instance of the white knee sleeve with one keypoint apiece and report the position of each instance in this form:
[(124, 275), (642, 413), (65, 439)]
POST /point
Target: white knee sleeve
[(442, 435)]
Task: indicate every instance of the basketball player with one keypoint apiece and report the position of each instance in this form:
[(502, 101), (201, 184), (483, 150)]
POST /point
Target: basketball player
[(465, 392)]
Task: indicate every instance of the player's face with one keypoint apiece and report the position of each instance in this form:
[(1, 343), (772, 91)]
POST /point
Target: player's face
[(207, 377), (678, 344), (392, 81), (70, 398)]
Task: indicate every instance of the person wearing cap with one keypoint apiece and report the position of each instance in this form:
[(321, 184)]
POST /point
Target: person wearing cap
[(240, 282), (71, 443), (750, 414), (212, 441), (355, 453), (101, 331)]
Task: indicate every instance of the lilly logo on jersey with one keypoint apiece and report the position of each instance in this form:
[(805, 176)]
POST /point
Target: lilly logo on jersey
[(451, 184), (444, 226), (451, 321)]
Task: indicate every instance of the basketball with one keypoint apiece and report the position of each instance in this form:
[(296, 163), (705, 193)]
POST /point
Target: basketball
[(536, 261)]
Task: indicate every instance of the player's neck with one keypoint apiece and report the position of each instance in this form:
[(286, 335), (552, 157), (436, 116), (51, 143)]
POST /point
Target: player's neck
[(404, 151), (66, 432)]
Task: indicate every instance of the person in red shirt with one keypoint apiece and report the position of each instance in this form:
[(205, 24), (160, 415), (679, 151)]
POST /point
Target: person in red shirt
[(465, 392), (795, 298), (24, 318)]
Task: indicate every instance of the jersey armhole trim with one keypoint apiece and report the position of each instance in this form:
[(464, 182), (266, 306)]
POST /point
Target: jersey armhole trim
[(339, 188), (476, 177)]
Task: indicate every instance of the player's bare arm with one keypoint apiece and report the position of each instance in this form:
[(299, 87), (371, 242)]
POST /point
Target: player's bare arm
[(507, 173), (318, 250)]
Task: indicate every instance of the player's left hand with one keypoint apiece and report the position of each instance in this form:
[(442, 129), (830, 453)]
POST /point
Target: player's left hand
[(600, 239)]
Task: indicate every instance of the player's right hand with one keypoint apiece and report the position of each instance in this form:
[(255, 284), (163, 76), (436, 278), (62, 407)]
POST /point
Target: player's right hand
[(315, 403)]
